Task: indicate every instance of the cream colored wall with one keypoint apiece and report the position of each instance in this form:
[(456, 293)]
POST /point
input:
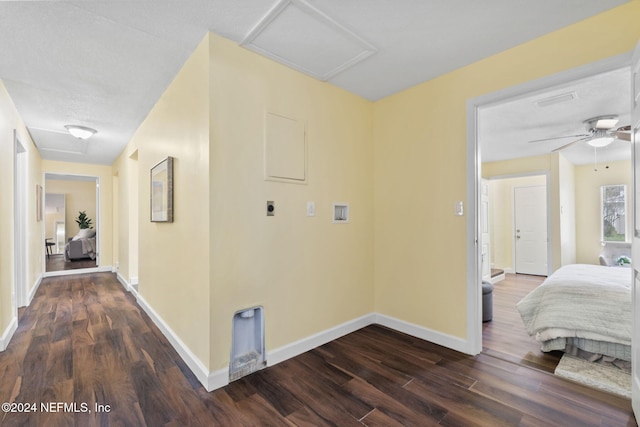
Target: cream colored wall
[(567, 215), (308, 273), (174, 257), (105, 176), (9, 121), (420, 172), (127, 207), (588, 216), (501, 193), (79, 196)]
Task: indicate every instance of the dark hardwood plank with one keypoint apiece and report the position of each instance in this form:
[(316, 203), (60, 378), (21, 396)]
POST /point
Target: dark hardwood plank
[(85, 340), (504, 336)]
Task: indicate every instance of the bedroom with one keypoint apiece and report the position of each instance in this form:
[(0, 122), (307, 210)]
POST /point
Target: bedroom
[(572, 177), (74, 194)]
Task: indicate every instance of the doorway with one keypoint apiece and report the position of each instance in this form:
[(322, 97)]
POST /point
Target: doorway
[(530, 221), (475, 172), (72, 223)]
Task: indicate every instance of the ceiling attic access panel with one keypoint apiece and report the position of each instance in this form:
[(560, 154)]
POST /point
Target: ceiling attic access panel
[(285, 149)]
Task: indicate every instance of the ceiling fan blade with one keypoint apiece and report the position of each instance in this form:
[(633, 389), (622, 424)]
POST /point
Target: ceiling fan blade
[(622, 135), (570, 144), (560, 137)]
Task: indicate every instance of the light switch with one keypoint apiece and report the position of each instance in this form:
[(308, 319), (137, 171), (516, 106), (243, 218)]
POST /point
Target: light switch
[(271, 208), (459, 208), (311, 208)]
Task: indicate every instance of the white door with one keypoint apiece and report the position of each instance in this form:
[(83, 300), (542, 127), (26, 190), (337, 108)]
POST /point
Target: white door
[(635, 132), (485, 235), (530, 211)]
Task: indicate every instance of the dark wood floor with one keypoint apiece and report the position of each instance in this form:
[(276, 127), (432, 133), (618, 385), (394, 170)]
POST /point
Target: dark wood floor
[(505, 336), (85, 341), (56, 262)]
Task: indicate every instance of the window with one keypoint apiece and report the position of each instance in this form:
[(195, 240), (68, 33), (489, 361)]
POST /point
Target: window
[(614, 218)]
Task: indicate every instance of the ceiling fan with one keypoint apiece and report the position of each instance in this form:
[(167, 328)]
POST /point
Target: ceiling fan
[(600, 133)]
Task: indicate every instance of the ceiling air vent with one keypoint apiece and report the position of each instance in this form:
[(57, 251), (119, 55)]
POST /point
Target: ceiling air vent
[(556, 99)]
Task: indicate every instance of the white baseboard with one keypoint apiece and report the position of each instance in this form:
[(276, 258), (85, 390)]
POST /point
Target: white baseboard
[(298, 347), (220, 378), (34, 289), (498, 278), (127, 286), (8, 333), (102, 269), (197, 367), (423, 333)]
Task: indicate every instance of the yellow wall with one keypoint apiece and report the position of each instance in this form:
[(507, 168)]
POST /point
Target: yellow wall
[(126, 207), (420, 170), (174, 257), (10, 121), (104, 175), (308, 273), (588, 216), (79, 196)]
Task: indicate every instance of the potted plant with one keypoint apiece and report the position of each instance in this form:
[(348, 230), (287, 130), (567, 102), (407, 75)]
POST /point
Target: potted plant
[(83, 220)]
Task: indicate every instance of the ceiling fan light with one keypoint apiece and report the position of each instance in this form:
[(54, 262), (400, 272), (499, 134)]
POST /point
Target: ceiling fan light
[(80, 132), (600, 141)]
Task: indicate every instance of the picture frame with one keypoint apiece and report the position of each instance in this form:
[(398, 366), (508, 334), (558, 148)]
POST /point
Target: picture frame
[(38, 202), (161, 196)]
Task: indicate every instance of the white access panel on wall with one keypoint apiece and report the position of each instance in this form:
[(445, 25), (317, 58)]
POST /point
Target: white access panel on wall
[(285, 149)]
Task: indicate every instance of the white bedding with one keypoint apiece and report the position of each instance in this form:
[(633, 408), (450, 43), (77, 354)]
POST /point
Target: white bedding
[(580, 300)]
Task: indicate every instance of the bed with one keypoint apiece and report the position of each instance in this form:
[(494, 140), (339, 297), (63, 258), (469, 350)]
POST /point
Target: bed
[(582, 308), (81, 246)]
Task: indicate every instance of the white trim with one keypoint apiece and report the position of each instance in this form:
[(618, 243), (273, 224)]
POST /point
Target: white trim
[(197, 367), (305, 344), (220, 378), (33, 291), (73, 177), (445, 340), (498, 278), (103, 269), (124, 282), (474, 253), (8, 333)]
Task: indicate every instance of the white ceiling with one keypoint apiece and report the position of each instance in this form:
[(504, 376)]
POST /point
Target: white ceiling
[(103, 64), (505, 130)]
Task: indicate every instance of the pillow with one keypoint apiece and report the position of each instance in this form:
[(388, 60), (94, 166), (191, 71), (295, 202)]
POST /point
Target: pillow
[(85, 233)]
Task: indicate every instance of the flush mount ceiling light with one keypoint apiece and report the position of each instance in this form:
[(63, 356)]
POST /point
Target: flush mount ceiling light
[(80, 132)]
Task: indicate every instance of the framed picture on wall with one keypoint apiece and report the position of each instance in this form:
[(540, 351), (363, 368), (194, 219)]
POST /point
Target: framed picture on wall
[(162, 191), (38, 202)]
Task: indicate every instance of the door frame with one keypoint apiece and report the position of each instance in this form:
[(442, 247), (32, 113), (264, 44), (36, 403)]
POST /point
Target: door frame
[(98, 226), (20, 244), (474, 175)]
